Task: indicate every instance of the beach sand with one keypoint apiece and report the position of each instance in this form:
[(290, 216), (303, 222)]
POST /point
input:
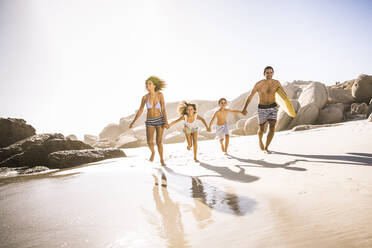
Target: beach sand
[(315, 190)]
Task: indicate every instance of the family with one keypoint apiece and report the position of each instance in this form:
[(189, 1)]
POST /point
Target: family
[(157, 120)]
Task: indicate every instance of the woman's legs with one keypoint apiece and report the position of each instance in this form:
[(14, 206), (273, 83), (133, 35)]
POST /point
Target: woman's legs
[(159, 143), (150, 140)]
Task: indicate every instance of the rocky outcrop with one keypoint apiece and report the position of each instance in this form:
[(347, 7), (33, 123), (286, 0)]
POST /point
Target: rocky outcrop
[(359, 108), (336, 95), (66, 159), (332, 113), (34, 150), (71, 137), (362, 88), (306, 115), (90, 139), (369, 111), (110, 132), (13, 130)]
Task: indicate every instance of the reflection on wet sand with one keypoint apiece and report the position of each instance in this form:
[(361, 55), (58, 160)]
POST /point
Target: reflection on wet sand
[(172, 227), (214, 197)]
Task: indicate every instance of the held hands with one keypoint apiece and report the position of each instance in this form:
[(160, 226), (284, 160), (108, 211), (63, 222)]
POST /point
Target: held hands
[(244, 112), (167, 126), (130, 125)]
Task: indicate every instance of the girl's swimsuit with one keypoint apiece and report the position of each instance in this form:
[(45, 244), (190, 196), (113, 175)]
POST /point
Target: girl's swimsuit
[(190, 127)]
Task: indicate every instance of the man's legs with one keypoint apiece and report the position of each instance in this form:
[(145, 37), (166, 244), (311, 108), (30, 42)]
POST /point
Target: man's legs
[(260, 133), (270, 135)]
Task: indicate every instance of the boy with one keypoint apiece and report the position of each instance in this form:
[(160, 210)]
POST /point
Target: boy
[(222, 130)]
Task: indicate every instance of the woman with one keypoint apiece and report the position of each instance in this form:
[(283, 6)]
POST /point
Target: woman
[(156, 116)]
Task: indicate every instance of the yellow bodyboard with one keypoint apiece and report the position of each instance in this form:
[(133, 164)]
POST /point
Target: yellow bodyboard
[(283, 101)]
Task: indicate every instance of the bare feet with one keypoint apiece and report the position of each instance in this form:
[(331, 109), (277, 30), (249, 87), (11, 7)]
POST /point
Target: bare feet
[(152, 157), (196, 160), (162, 162), (267, 151)]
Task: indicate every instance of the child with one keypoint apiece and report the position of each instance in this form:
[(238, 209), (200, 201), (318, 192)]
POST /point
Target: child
[(222, 129), (187, 112)]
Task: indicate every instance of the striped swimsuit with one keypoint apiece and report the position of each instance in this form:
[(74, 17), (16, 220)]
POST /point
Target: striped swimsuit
[(267, 113), (156, 121)]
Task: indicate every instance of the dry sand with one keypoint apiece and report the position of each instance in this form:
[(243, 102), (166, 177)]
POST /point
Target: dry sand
[(315, 190)]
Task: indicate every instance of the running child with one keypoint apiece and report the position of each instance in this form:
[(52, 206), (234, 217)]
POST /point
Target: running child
[(188, 113), (222, 129)]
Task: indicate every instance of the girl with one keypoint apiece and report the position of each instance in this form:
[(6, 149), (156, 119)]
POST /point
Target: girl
[(156, 115), (187, 112)]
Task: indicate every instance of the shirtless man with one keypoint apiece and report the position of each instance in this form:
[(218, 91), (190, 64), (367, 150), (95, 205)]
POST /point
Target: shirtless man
[(222, 129), (267, 110)]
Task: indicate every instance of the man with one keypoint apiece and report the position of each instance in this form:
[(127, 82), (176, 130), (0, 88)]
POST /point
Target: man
[(267, 110)]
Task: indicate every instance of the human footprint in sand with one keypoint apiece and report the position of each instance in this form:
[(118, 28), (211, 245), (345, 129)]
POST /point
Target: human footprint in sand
[(222, 129), (188, 113), (267, 108), (156, 115)]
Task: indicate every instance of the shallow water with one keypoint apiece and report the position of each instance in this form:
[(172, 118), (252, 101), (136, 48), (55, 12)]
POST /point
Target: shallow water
[(114, 205)]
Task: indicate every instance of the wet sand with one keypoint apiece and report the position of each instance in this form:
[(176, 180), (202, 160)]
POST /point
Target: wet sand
[(315, 190)]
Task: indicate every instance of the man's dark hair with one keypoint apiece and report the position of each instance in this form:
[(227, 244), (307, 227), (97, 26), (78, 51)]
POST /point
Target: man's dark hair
[(267, 68)]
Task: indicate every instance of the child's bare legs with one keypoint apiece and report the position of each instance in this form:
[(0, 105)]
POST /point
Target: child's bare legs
[(227, 138), (150, 130), (260, 133), (188, 138), (222, 146), (195, 144), (159, 143)]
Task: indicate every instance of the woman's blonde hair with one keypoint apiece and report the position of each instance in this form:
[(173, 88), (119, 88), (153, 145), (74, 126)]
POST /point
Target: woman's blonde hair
[(182, 106), (159, 84)]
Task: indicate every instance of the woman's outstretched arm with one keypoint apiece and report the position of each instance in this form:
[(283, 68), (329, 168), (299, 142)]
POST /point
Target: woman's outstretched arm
[(139, 112)]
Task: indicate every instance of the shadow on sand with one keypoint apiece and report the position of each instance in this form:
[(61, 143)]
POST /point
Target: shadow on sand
[(364, 159)]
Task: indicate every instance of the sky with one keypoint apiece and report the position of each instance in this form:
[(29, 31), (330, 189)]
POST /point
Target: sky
[(75, 66)]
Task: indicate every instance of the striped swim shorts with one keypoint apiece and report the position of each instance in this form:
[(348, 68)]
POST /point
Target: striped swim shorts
[(155, 122), (267, 113)]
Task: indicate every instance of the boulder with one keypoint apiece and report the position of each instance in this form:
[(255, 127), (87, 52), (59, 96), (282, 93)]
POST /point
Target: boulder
[(34, 150), (175, 137), (359, 108), (347, 85), (369, 111), (251, 125), (124, 125), (284, 119), (306, 115), (208, 135), (332, 113), (110, 132), (71, 137), (238, 131), (362, 88), (13, 130), (370, 118), (336, 95), (66, 159), (315, 93), (127, 140), (90, 139), (240, 123)]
